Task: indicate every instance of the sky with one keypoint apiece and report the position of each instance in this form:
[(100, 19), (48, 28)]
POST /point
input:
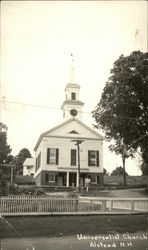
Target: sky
[(37, 38)]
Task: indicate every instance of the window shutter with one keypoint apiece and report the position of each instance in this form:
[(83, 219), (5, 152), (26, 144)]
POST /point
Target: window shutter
[(88, 157), (39, 159), (48, 155), (98, 179), (56, 178), (57, 156), (46, 177), (98, 158), (36, 165)]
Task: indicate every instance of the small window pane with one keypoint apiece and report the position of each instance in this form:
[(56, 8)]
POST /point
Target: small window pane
[(73, 96)]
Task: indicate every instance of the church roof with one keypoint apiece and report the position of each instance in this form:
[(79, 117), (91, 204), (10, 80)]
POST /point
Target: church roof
[(100, 137)]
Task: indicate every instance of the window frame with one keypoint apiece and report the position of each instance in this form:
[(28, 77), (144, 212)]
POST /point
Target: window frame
[(93, 158), (94, 176), (49, 157), (51, 181), (73, 95), (73, 159)]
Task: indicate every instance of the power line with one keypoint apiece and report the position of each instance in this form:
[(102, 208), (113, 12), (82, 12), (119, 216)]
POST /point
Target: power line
[(55, 108), (29, 104), (34, 105)]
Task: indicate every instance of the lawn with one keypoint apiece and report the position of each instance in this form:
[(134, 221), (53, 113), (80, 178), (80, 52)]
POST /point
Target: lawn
[(50, 226), (131, 180), (120, 193)]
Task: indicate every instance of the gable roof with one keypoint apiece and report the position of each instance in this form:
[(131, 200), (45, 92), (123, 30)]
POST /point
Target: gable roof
[(100, 137)]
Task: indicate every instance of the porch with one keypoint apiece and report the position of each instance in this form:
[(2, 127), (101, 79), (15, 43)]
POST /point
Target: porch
[(69, 178)]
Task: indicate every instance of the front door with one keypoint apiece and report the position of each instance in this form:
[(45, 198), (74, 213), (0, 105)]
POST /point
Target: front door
[(82, 179), (62, 179), (72, 179)]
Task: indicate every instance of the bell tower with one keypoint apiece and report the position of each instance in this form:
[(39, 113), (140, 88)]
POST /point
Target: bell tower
[(72, 106)]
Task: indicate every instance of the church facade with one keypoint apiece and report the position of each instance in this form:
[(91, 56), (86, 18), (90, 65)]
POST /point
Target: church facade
[(71, 152)]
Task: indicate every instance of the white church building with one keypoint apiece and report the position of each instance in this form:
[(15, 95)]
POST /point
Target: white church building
[(71, 152)]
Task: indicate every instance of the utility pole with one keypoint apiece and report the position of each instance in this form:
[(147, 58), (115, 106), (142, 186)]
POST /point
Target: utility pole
[(78, 142)]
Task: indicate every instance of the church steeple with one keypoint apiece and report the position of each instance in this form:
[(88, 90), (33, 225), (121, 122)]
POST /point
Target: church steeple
[(72, 106), (72, 78)]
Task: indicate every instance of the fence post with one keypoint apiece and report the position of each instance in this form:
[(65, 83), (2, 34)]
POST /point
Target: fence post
[(132, 205), (77, 200), (103, 205), (111, 205)]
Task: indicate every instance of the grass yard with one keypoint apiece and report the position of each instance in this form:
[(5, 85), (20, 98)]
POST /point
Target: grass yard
[(51, 226), (120, 193), (131, 180)]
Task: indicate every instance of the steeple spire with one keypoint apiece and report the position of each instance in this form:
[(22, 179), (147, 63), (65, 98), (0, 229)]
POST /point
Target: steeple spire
[(72, 78), (72, 106)]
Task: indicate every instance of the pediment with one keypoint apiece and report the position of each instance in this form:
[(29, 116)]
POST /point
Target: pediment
[(73, 127)]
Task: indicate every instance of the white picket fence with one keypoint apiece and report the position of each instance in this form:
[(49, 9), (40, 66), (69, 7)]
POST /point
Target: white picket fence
[(27, 205), (114, 204)]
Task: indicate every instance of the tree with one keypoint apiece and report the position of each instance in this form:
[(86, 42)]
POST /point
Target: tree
[(122, 112), (105, 171), (5, 149), (118, 171), (20, 158), (144, 165), (10, 159)]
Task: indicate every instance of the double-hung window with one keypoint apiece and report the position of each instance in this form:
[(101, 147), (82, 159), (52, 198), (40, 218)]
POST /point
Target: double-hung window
[(93, 158), (94, 179), (50, 177), (53, 156), (73, 157)]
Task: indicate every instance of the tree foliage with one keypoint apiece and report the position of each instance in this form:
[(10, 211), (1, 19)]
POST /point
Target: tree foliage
[(20, 158), (118, 171), (105, 171), (122, 112), (5, 149)]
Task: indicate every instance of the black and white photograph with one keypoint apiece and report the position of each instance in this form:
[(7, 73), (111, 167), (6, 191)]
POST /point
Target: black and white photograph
[(74, 125)]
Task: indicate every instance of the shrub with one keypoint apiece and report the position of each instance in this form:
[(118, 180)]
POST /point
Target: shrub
[(72, 194), (14, 189), (3, 188), (39, 191), (26, 190)]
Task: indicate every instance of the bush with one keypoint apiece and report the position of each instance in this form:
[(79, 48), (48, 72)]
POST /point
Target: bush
[(14, 189), (39, 191), (72, 194), (26, 190), (3, 188)]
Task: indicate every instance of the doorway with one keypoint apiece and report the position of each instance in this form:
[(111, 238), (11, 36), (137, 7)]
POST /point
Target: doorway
[(62, 179), (72, 179)]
